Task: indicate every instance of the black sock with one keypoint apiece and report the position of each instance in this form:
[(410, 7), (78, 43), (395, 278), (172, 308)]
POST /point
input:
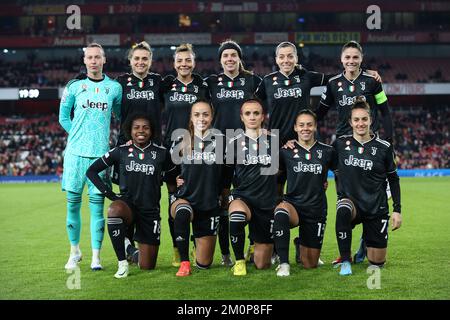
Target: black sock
[(182, 229), (344, 230), (171, 222), (116, 230), (377, 264), (131, 250), (130, 233), (298, 258), (281, 234), (237, 233), (224, 234)]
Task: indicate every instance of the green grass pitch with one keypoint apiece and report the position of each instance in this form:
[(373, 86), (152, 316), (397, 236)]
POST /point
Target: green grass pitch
[(34, 248)]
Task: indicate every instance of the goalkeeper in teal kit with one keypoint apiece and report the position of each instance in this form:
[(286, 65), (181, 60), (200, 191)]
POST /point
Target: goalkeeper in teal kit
[(92, 97)]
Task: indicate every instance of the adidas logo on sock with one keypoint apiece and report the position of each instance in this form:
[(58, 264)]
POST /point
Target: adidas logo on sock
[(179, 238)]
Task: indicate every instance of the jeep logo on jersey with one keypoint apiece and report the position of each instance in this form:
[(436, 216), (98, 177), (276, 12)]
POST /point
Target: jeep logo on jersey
[(181, 97), (236, 94), (348, 101), (284, 93), (362, 163), (262, 159), (135, 94), (303, 167), (95, 105), (208, 157), (136, 167)]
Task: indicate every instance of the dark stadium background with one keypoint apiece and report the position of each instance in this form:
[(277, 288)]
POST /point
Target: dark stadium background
[(39, 54)]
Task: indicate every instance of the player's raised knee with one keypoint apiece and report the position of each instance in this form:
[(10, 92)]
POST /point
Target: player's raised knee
[(118, 208)]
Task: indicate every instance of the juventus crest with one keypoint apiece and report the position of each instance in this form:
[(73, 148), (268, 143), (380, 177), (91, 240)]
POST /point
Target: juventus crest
[(374, 151)]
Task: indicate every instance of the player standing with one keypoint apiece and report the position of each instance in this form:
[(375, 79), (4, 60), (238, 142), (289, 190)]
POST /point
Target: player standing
[(142, 89), (287, 91), (92, 97), (342, 90), (364, 163)]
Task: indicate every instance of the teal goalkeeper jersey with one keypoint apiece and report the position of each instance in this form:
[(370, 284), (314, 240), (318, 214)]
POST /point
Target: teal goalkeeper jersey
[(92, 101)]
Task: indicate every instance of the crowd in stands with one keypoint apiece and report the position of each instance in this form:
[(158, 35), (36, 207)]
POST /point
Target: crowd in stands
[(34, 146), (56, 73), (422, 138), (208, 20)]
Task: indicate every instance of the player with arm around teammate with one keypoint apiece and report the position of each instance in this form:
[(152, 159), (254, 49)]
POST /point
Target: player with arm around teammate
[(364, 163), (142, 89), (92, 97), (251, 159), (141, 166), (200, 153), (306, 165)]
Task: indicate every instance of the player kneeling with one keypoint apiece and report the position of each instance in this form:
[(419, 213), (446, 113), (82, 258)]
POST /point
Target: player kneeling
[(364, 163), (306, 163), (141, 166), (200, 154), (249, 158)]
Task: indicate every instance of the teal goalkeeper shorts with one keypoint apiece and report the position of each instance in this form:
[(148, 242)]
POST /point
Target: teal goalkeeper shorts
[(74, 174)]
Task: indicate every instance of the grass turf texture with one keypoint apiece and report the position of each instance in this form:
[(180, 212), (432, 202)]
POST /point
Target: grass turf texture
[(34, 248)]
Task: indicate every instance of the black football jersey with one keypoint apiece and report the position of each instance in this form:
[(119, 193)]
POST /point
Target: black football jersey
[(142, 96), (141, 171), (201, 169), (307, 171), (227, 96), (285, 96), (178, 100), (255, 163), (341, 94), (362, 172)]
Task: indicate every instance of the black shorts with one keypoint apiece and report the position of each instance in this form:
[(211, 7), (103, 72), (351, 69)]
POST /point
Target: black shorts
[(205, 223), (311, 229), (261, 223), (148, 226), (311, 233), (375, 229)]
